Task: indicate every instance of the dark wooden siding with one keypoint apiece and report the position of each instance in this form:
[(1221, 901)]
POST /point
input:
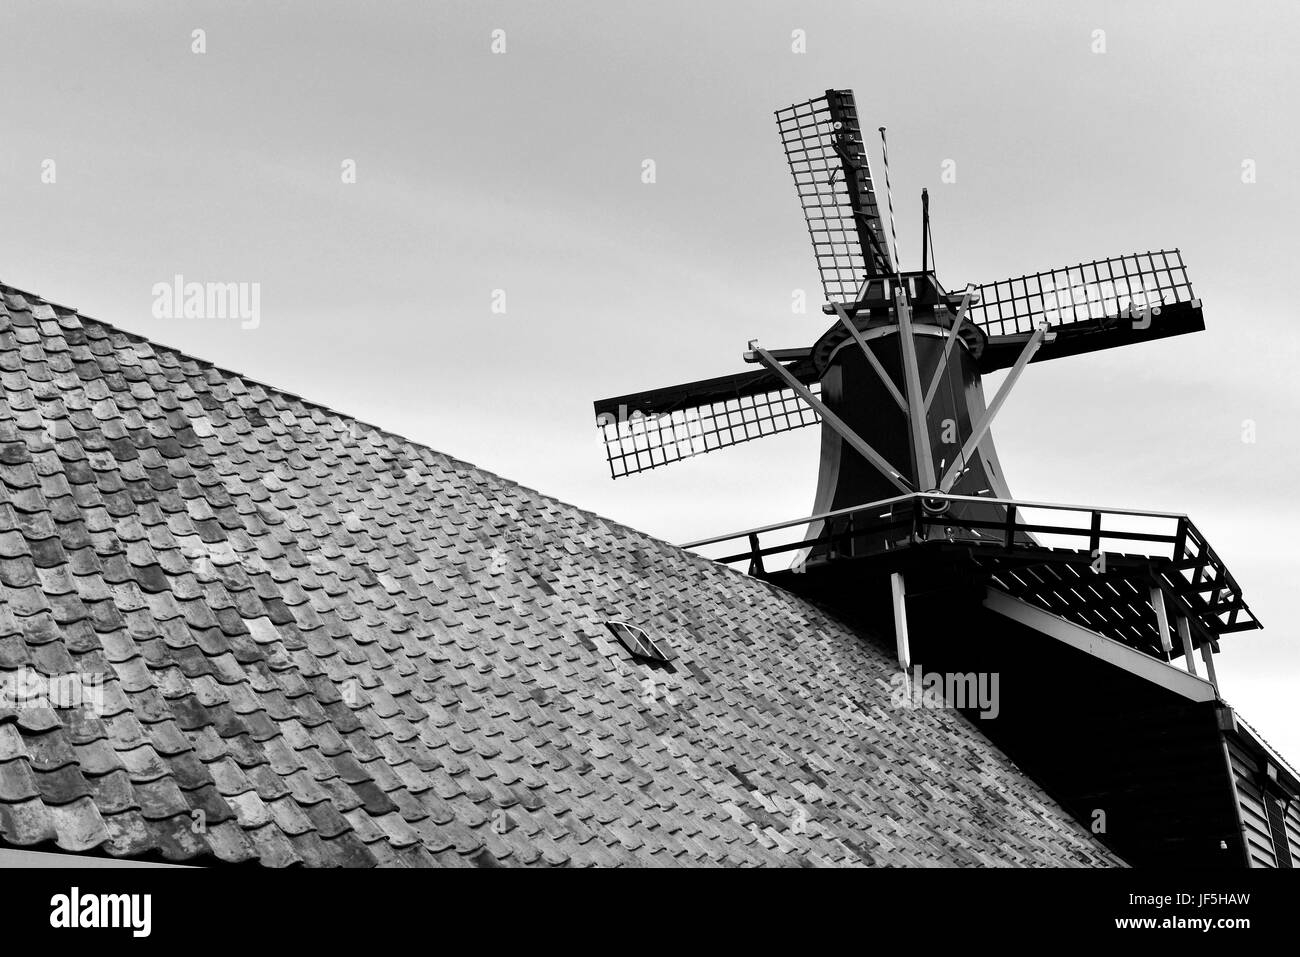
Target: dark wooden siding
[(1263, 837)]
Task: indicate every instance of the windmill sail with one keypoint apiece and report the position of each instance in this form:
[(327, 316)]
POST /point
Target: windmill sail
[(832, 175), (1091, 306), (1097, 291), (645, 430)]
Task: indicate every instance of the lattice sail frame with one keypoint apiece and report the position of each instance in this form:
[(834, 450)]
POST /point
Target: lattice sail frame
[(1098, 291), (637, 443), (835, 186)]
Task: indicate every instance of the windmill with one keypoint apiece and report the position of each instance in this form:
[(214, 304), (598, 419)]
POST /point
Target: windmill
[(909, 480)]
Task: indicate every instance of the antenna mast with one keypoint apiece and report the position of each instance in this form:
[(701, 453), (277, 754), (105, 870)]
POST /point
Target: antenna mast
[(925, 231)]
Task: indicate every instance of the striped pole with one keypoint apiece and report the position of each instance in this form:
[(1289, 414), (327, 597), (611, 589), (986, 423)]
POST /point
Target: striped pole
[(889, 195)]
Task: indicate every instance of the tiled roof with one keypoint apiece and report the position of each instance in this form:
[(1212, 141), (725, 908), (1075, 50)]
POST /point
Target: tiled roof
[(344, 648)]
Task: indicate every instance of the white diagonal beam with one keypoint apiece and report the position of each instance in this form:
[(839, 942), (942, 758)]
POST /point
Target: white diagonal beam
[(1207, 655), (916, 419), (1185, 636), (834, 421), (1162, 619), (885, 380), (1139, 663), (986, 420), (947, 346), (898, 592)]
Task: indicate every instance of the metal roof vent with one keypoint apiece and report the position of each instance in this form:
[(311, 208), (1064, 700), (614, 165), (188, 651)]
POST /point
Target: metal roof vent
[(637, 642)]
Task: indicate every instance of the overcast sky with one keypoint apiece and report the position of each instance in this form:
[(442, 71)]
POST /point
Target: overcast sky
[(521, 171)]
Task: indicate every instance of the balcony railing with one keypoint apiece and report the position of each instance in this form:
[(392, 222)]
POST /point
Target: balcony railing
[(1088, 553)]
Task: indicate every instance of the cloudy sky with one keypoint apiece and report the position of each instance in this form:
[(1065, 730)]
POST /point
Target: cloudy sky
[(520, 171)]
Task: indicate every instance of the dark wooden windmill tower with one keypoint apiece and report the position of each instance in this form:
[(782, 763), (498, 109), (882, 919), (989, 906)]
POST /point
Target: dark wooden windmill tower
[(914, 528)]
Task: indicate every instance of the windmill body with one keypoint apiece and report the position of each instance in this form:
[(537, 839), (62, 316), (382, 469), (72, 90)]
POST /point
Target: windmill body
[(852, 387)]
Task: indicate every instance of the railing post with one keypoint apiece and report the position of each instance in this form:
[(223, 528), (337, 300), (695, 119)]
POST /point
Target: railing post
[(1094, 537), (1010, 538), (755, 556), (1180, 540)]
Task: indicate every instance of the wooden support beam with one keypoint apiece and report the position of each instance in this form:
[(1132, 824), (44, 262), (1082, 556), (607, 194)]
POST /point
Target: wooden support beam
[(898, 590), (1162, 619), (1180, 539), (947, 346), (1207, 655), (834, 421), (977, 434), (879, 369), (1185, 634), (1203, 562), (918, 423)]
